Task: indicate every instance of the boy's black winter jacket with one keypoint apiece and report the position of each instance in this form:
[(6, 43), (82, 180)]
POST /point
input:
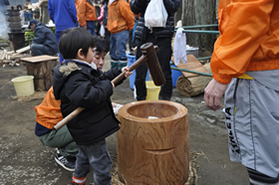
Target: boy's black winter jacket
[(139, 6), (79, 85)]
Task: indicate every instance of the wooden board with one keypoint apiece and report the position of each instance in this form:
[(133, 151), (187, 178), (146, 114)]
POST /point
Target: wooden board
[(192, 64), (40, 58), (23, 49)]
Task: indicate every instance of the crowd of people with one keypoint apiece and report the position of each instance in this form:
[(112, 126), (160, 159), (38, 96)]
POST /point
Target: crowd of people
[(245, 65)]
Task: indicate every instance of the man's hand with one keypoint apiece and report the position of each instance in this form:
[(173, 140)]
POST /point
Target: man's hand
[(213, 93)]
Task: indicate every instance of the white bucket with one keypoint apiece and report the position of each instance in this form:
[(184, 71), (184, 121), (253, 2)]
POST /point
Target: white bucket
[(24, 85)]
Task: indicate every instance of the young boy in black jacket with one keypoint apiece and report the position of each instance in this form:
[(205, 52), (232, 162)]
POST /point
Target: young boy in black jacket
[(79, 83)]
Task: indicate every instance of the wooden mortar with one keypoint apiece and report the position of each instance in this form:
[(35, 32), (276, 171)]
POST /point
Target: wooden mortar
[(155, 150)]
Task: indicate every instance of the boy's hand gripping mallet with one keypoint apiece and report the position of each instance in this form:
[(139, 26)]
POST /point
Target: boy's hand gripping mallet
[(150, 57)]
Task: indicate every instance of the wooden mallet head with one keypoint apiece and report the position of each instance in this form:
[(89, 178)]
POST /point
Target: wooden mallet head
[(153, 63)]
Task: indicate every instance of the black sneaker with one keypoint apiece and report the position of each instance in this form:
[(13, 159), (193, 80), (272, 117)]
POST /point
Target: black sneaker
[(73, 183), (67, 164)]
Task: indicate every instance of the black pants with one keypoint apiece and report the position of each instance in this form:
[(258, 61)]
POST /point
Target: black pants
[(164, 56), (260, 178)]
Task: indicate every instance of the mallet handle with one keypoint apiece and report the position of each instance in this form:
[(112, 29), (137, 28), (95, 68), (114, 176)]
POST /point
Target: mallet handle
[(139, 61), (68, 118)]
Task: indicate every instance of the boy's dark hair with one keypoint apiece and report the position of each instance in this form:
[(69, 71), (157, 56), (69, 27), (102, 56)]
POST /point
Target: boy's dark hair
[(73, 39), (101, 45)]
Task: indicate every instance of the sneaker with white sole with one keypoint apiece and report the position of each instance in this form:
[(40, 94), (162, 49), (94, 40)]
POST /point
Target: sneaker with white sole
[(67, 163)]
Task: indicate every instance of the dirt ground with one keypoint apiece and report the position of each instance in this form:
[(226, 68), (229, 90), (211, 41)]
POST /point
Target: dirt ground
[(24, 160)]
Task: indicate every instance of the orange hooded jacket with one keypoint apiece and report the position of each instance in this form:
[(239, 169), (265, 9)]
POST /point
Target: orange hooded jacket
[(49, 111), (249, 38), (120, 16), (85, 12)]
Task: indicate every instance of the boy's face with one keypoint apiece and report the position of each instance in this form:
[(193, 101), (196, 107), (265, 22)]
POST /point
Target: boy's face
[(90, 54), (99, 59)]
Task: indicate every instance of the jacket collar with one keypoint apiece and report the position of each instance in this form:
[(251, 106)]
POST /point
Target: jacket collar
[(92, 65)]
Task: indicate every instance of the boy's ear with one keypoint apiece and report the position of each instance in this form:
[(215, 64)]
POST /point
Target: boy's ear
[(80, 54)]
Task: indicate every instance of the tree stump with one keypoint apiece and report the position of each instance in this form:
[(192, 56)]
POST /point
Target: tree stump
[(153, 143), (41, 67)]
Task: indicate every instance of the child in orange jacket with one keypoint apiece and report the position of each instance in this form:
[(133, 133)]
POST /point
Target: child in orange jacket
[(86, 13), (120, 21)]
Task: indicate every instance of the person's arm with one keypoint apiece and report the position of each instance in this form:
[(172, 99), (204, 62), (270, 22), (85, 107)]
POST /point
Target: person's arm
[(246, 25), (138, 6), (72, 10), (171, 6)]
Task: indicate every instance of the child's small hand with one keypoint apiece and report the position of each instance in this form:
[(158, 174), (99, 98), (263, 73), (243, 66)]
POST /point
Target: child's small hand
[(127, 72)]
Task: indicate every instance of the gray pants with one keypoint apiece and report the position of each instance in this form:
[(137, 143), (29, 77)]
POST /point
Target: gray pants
[(97, 156), (252, 120), (61, 139)]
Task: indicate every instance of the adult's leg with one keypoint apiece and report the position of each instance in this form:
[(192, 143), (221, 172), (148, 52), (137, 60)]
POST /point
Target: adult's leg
[(61, 139), (164, 57), (37, 49), (40, 49), (113, 56), (140, 75), (91, 27), (253, 127), (121, 40), (257, 178)]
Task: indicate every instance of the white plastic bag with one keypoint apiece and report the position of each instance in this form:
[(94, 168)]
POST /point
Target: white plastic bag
[(156, 14), (102, 31)]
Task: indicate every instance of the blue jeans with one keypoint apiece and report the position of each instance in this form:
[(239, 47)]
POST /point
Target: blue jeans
[(118, 43), (98, 157), (40, 49), (91, 27)]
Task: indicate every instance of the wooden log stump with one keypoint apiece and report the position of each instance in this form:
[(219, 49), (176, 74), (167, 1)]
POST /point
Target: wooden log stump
[(153, 143), (41, 67)]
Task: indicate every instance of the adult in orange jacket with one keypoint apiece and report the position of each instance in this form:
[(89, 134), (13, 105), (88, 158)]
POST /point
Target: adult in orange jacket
[(120, 21), (86, 14), (245, 66)]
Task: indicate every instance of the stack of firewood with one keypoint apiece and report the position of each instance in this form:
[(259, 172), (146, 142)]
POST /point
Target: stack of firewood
[(12, 58)]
